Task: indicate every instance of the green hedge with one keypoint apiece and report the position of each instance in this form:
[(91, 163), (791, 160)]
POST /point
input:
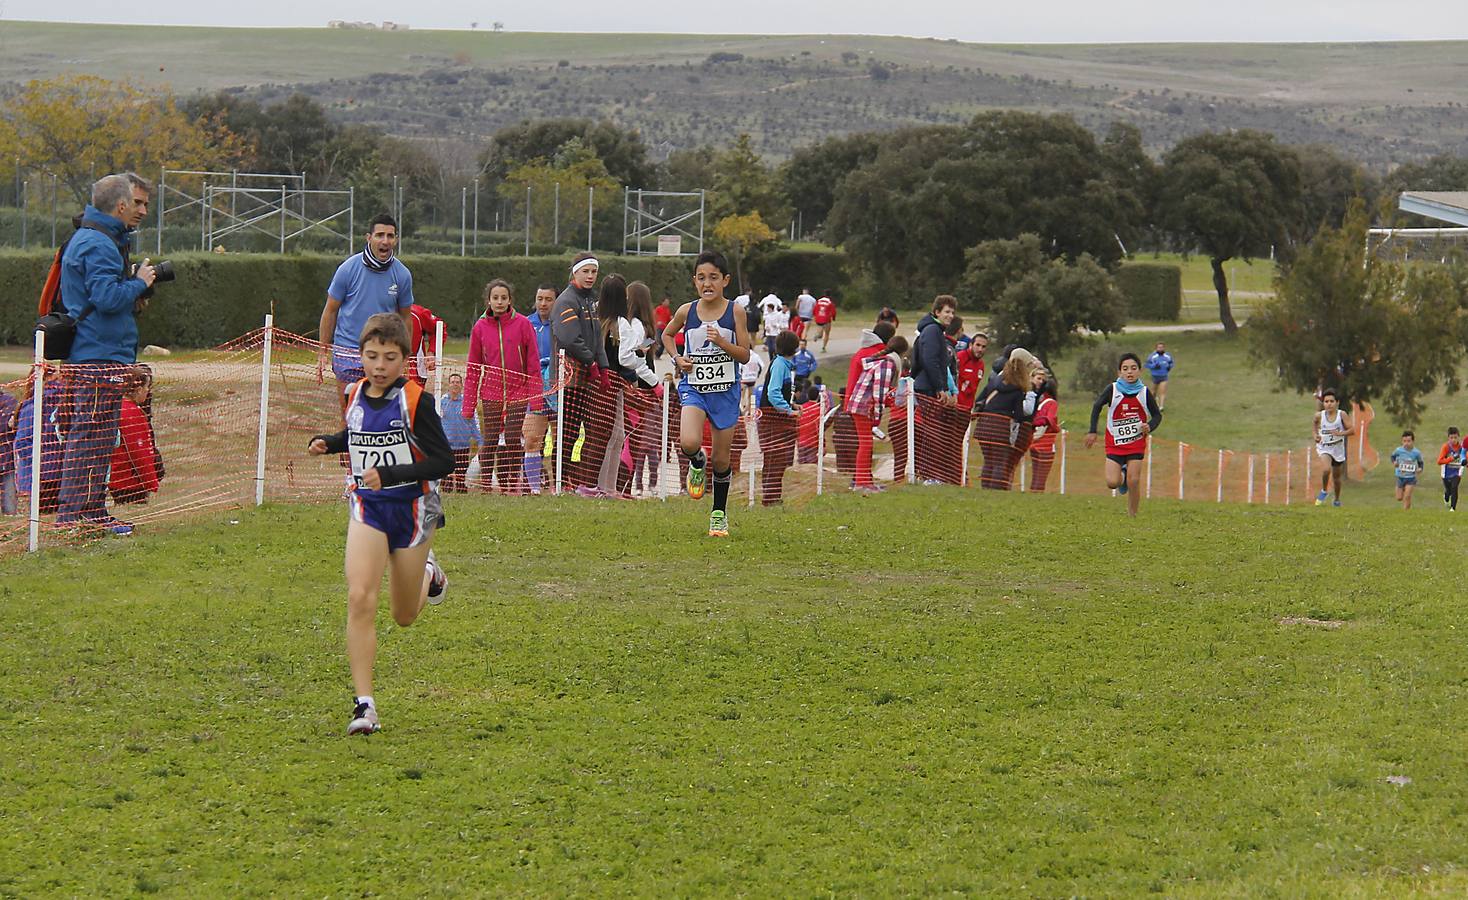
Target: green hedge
[(219, 297), (1154, 291), (786, 272)]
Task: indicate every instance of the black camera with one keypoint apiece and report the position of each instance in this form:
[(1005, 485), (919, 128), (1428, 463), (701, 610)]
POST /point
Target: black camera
[(163, 271)]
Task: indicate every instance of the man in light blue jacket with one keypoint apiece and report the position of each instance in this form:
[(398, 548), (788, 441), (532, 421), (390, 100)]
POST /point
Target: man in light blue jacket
[(100, 289)]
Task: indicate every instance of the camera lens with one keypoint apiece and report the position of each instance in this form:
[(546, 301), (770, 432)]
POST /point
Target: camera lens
[(163, 270)]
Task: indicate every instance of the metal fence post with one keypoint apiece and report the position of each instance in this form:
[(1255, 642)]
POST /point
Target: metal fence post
[(38, 374), (560, 415), (264, 410)]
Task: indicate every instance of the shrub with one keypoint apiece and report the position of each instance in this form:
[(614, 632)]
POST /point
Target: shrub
[(1153, 291), (1095, 367), (219, 297)]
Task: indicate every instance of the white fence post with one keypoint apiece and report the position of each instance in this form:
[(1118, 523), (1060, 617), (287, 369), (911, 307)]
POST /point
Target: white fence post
[(1289, 475), (1148, 492), (911, 467), (748, 457), (438, 334), (1266, 479), (821, 443), (963, 455), (264, 409), (1181, 456), (38, 390), (663, 447), (1062, 462), (1220, 476), (560, 415), (1250, 494)]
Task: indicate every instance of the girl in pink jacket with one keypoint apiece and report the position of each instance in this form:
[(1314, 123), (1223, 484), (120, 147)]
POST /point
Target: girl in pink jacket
[(503, 377)]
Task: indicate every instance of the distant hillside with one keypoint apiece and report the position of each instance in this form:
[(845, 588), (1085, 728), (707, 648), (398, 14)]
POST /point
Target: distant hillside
[(1382, 104)]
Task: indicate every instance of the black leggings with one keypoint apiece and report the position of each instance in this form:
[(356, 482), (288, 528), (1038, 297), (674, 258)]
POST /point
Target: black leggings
[(1450, 490)]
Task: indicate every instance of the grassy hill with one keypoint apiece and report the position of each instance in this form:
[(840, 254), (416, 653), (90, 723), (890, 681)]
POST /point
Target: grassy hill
[(1381, 103)]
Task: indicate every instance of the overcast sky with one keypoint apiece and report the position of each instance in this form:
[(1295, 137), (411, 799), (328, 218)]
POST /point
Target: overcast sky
[(1064, 21)]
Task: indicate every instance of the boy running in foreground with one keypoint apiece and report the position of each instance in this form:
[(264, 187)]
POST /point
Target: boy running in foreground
[(398, 452), (1132, 414)]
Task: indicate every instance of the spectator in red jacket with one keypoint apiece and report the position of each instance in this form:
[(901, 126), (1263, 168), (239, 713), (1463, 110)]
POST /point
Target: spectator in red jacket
[(971, 371), (503, 376), (425, 342), (1047, 426), (662, 314), (135, 460), (873, 343)]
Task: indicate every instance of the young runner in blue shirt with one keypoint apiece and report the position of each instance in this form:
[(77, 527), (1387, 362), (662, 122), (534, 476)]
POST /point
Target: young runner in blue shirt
[(715, 345), (1407, 461)]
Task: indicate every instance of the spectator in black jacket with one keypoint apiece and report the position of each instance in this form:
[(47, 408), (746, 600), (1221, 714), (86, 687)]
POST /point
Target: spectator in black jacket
[(575, 329), (938, 454), (1004, 428)]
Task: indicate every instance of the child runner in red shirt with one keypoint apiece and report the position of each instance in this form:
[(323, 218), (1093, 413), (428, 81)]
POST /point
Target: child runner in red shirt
[(1131, 415)]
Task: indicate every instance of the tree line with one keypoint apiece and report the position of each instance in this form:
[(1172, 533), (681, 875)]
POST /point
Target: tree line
[(1020, 214)]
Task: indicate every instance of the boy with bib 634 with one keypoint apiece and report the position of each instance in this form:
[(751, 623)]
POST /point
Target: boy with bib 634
[(715, 345)]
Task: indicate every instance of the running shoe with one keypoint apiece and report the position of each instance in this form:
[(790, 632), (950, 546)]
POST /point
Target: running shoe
[(438, 582), (1337, 502), (364, 720), (718, 523), (695, 483), (1121, 490), (1320, 498)]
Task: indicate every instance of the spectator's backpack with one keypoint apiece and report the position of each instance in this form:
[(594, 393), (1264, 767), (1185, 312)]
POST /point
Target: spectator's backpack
[(51, 316)]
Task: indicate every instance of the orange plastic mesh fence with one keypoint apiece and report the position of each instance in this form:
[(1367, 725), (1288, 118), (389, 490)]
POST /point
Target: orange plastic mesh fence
[(115, 448)]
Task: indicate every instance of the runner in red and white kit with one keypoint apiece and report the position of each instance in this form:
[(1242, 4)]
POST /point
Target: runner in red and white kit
[(824, 315), (425, 330), (1131, 415)]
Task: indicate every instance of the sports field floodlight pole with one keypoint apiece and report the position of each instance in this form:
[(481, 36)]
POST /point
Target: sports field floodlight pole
[(438, 364), (162, 202), (264, 409), (351, 218), (38, 373), (560, 415), (557, 239), (463, 220), (527, 220), (476, 215), (590, 208)]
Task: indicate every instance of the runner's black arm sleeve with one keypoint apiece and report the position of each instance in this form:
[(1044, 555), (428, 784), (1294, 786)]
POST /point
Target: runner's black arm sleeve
[(438, 456), (335, 443), (1103, 401), (1155, 412)]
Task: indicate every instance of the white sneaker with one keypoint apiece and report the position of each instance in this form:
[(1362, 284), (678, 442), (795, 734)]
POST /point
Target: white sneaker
[(364, 720), (438, 582)]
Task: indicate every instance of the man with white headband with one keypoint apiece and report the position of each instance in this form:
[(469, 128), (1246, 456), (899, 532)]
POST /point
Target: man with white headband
[(574, 328), (373, 281)]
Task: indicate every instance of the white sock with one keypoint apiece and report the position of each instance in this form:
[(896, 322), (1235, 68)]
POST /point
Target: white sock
[(367, 700)]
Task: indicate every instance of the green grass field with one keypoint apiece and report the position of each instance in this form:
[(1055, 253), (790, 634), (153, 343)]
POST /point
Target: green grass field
[(848, 697)]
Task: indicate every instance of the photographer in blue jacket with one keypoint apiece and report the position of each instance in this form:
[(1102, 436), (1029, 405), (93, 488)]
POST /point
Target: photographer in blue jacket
[(103, 292)]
